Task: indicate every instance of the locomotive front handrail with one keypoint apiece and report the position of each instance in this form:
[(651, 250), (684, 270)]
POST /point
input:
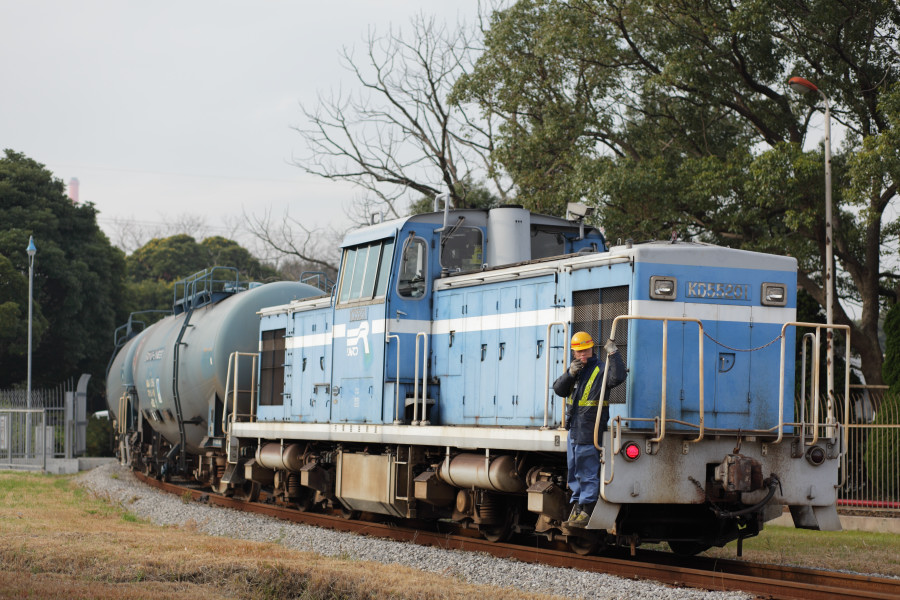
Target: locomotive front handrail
[(812, 338), (830, 420), (662, 419), (550, 326)]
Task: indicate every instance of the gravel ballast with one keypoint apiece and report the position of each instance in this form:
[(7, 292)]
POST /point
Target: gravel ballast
[(118, 485)]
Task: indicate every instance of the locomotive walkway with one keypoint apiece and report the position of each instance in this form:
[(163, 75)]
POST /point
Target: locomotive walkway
[(770, 581)]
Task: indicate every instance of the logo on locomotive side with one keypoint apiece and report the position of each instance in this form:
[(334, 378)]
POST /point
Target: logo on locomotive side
[(719, 291), (354, 336)]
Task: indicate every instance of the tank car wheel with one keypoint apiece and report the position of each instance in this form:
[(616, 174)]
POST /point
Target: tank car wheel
[(687, 548)]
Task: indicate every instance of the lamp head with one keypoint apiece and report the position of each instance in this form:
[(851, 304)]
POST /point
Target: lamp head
[(31, 250), (802, 86)]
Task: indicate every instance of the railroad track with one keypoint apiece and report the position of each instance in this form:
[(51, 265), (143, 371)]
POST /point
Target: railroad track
[(763, 580)]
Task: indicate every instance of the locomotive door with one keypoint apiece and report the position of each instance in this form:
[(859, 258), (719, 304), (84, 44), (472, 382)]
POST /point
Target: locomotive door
[(732, 367), (726, 376), (311, 399), (509, 388), (358, 333), (472, 357), (535, 306), (489, 353)]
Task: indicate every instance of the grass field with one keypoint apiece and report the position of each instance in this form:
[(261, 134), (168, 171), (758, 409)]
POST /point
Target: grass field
[(56, 541)]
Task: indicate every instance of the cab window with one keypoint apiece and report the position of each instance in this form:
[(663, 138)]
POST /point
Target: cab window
[(461, 250), (411, 281), (365, 272)]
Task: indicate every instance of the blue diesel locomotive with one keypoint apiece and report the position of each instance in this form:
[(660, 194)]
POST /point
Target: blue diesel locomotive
[(421, 387)]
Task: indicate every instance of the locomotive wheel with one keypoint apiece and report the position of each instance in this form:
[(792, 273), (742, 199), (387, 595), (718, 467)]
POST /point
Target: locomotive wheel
[(499, 532), (305, 501), (496, 533), (686, 548), (583, 545), (350, 515), (247, 491)]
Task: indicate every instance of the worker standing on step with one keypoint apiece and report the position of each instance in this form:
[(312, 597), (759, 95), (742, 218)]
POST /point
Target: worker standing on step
[(580, 385)]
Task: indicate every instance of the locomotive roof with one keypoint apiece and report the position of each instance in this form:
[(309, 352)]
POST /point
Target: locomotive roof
[(706, 255), (474, 218)]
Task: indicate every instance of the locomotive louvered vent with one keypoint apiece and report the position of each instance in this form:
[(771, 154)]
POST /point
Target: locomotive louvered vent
[(614, 302), (271, 382), (593, 312), (586, 313)]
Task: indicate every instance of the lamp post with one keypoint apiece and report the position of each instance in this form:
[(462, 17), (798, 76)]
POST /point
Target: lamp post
[(31, 250), (802, 86)]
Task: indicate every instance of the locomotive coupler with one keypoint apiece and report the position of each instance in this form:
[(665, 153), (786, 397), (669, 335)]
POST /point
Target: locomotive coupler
[(739, 473)]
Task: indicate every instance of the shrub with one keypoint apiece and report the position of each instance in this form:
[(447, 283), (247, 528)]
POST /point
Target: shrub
[(99, 438)]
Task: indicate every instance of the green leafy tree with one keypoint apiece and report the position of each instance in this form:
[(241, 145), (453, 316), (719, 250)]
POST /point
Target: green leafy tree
[(154, 267), (675, 116), (78, 279)]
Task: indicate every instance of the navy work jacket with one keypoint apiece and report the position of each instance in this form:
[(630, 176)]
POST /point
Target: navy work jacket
[(581, 408)]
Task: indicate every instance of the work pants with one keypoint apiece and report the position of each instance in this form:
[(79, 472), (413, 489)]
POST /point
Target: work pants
[(583, 461)]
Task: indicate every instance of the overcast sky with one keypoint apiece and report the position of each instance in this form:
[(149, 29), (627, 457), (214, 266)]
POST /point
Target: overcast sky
[(165, 109)]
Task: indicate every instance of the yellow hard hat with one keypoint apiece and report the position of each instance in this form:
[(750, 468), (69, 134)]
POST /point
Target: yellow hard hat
[(582, 341)]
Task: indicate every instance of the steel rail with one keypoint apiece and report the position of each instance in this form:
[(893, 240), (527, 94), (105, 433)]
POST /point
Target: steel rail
[(769, 581)]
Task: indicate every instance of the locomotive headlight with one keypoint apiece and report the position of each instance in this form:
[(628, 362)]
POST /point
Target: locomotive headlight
[(631, 451), (663, 288), (774, 294), (815, 455)]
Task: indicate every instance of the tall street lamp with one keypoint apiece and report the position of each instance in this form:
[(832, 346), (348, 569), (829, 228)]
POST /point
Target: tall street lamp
[(31, 250), (802, 86)]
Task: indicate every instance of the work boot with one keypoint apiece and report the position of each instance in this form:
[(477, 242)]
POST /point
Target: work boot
[(576, 508), (580, 520), (584, 515)]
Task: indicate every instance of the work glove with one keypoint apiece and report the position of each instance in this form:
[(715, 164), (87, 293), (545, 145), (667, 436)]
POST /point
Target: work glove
[(575, 368), (610, 347)]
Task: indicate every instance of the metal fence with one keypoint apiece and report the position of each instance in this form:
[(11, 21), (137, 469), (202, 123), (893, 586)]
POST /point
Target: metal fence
[(871, 475), (51, 425)]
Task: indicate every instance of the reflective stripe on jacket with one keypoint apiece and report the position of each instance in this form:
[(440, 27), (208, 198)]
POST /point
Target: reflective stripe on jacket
[(581, 415)]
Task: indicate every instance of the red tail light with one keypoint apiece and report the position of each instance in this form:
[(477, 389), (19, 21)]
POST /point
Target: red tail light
[(631, 451)]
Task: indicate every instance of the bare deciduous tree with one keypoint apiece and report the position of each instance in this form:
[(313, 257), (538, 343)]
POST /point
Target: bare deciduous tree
[(402, 136), (287, 242)]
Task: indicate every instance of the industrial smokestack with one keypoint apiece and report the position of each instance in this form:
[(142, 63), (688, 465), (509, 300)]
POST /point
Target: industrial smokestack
[(73, 190)]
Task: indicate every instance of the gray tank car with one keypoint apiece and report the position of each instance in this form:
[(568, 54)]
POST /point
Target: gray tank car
[(170, 379)]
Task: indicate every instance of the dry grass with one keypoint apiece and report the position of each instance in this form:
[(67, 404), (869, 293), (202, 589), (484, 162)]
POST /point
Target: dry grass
[(57, 542), (862, 552)]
